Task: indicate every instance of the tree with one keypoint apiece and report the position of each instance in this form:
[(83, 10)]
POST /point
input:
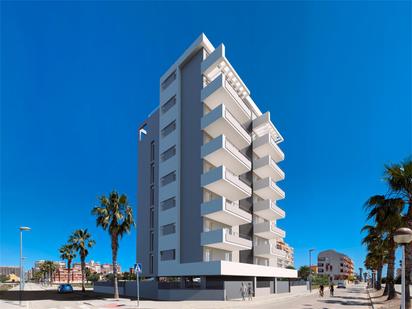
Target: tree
[(377, 250), (399, 178), (67, 252), (387, 213), (82, 241), (290, 267), (304, 272), (92, 277), (4, 278), (115, 215), (48, 267)]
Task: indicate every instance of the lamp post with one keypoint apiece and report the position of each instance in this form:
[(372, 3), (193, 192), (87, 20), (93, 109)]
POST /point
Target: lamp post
[(310, 269), (22, 228), (403, 236)]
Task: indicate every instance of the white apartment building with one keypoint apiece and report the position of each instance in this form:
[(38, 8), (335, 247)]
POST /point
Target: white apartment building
[(208, 179)]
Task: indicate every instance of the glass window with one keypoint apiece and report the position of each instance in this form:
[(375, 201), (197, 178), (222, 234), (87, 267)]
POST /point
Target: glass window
[(152, 195), (151, 241), (169, 128), (171, 177), (167, 255), (152, 173), (169, 104), (151, 263), (168, 229), (167, 154), (169, 203), (170, 79), (151, 217), (152, 151)]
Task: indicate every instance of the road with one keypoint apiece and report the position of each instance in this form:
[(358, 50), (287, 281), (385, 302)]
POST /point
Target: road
[(35, 297)]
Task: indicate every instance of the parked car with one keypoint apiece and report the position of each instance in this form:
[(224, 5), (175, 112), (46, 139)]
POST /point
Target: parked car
[(65, 288), (341, 285)]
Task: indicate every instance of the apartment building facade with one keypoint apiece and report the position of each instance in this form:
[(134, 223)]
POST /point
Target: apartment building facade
[(337, 266), (207, 181)]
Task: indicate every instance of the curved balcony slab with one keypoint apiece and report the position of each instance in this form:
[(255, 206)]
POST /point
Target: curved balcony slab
[(220, 151), (225, 240), (224, 211)]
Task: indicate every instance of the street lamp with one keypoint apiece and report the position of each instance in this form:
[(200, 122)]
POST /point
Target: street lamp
[(310, 269), (403, 236), (22, 228)]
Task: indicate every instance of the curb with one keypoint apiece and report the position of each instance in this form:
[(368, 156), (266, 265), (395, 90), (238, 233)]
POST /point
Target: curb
[(370, 299)]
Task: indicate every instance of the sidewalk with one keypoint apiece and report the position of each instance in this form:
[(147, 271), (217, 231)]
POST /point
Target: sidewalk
[(127, 303), (379, 302)]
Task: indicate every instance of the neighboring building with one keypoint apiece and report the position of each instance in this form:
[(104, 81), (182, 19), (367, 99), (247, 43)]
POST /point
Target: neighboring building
[(208, 173), (337, 266), (289, 259), (61, 274), (8, 270), (108, 269)]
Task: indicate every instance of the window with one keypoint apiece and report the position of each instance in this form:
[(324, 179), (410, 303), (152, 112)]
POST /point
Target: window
[(151, 263), (151, 217), (152, 151), (168, 229), (168, 178), (151, 241), (167, 255), (170, 79), (169, 128), (169, 104), (152, 172), (167, 154), (169, 203), (152, 195)]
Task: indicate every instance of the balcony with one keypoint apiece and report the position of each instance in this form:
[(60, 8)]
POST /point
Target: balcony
[(268, 251), (267, 167), (224, 239), (268, 210), (223, 182), (221, 91), (266, 145), (225, 211), (221, 122), (220, 151), (268, 230), (262, 125), (268, 190)]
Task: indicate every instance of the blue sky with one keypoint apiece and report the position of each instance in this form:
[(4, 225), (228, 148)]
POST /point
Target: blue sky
[(78, 77)]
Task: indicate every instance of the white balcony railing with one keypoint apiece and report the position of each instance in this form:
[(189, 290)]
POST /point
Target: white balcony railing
[(236, 124), (235, 180), (234, 151)]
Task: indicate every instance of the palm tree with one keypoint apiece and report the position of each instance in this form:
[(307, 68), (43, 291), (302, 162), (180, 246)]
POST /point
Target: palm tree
[(377, 250), (399, 178), (48, 267), (387, 213), (116, 216), (81, 240), (67, 252)]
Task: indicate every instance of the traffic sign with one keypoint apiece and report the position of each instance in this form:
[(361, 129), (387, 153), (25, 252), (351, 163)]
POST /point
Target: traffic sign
[(138, 268)]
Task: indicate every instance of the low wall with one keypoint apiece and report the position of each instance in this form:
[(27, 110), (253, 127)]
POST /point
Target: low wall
[(191, 294), (106, 289), (299, 289), (262, 292)]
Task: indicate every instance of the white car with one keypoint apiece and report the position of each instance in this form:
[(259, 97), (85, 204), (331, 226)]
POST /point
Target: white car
[(341, 285)]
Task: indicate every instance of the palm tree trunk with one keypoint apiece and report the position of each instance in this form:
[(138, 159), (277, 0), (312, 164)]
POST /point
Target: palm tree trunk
[(82, 267), (114, 262), (391, 270), (69, 262), (408, 259), (379, 279)]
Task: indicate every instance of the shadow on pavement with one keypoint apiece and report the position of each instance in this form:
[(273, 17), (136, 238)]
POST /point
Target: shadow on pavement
[(345, 302), (50, 295)]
